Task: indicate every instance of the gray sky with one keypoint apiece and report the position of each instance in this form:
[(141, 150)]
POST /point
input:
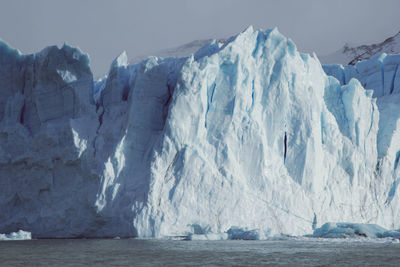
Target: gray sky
[(103, 29)]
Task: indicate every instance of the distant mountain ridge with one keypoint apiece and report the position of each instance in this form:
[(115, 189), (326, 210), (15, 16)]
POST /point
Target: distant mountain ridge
[(179, 51), (349, 55)]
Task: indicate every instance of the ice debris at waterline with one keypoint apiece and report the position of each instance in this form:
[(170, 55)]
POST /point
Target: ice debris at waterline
[(20, 235), (353, 230), (233, 233), (157, 147), (329, 230)]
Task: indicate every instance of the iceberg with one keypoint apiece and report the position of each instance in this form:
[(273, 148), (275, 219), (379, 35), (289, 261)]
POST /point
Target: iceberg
[(395, 234), (354, 230), (20, 235), (243, 234), (244, 134), (349, 230)]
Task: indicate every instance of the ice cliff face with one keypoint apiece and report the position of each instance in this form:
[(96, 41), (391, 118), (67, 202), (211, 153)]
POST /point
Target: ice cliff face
[(380, 73), (47, 124), (249, 133)]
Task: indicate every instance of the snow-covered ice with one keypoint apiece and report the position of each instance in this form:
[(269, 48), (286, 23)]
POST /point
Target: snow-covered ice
[(246, 138)]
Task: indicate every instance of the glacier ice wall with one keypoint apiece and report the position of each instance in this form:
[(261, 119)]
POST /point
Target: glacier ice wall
[(381, 73), (249, 134), (47, 121)]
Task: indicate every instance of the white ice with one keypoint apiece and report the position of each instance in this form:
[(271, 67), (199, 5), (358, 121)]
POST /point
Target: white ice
[(20, 235), (354, 230), (247, 138)]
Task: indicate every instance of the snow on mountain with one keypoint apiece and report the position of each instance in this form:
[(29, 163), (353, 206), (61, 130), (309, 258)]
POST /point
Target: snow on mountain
[(350, 55), (244, 138), (181, 51)]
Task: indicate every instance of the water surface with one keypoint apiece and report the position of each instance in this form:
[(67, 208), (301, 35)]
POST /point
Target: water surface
[(134, 252)]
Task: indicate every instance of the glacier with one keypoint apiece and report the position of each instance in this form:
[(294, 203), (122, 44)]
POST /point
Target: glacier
[(246, 138)]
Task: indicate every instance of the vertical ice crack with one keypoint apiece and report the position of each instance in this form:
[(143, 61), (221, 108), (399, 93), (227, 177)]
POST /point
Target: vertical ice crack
[(22, 115), (285, 147), (394, 77), (372, 120), (167, 102), (383, 77), (210, 97), (252, 95), (392, 191), (100, 118), (343, 76), (212, 92)]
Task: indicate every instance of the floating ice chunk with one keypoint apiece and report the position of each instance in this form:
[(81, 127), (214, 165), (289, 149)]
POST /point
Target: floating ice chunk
[(348, 230), (20, 235), (243, 234), (67, 76), (393, 234), (234, 233), (209, 236)]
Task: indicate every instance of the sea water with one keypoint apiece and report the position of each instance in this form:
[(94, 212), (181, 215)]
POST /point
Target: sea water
[(135, 252)]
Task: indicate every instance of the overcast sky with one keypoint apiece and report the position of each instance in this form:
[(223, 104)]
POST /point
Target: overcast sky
[(103, 29)]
